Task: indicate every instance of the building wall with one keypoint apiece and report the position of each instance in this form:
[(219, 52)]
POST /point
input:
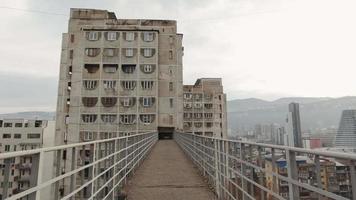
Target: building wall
[(16, 135), (166, 63), (204, 105)]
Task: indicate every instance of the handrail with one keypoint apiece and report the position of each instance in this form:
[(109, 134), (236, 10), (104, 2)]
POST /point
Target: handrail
[(242, 170)]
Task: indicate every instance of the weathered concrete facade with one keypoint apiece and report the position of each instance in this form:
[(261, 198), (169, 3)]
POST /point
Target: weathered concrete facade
[(204, 105), (17, 135), (118, 76)]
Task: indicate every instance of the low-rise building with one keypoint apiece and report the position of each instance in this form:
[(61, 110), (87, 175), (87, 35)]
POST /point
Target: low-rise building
[(18, 134), (204, 108)]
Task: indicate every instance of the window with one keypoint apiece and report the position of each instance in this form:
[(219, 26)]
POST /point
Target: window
[(33, 135), (208, 96), (127, 119), (109, 52), (209, 124), (198, 124), (7, 125), (93, 35), (71, 54), (188, 105), (128, 85), (147, 101), (187, 124), (147, 85), (198, 97), (148, 36), (110, 68), (147, 52), (147, 68), (6, 135), (38, 123), (111, 36), (198, 115), (91, 68), (108, 101), (0, 123), (187, 96), (170, 86), (171, 39), (130, 36), (109, 84), (208, 105), (147, 119), (90, 84), (129, 52), (187, 115), (128, 101), (208, 115), (170, 54), (198, 105), (7, 147), (71, 38), (171, 102), (89, 118), (129, 69), (92, 52), (18, 125), (108, 118), (89, 101), (17, 136)]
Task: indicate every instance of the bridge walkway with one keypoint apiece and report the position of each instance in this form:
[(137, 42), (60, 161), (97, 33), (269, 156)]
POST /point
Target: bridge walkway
[(168, 174)]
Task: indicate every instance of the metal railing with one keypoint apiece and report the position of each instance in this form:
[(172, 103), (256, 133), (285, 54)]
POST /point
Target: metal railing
[(246, 170), (89, 170)]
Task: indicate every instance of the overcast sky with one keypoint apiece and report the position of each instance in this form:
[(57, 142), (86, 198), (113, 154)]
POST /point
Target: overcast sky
[(261, 49)]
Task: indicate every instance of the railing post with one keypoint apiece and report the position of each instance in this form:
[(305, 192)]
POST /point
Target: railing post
[(317, 173), (243, 172), (216, 157), (274, 169), (292, 174), (93, 170), (39, 173), (227, 171), (259, 163), (353, 179)]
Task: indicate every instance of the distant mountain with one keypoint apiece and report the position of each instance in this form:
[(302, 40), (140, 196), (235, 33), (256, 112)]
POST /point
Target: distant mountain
[(246, 113), (315, 112), (29, 115)]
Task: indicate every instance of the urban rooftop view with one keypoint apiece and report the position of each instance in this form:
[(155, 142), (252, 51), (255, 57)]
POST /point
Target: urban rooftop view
[(131, 124)]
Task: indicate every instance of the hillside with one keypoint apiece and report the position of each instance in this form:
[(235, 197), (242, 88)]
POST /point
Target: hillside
[(315, 112), (29, 115)]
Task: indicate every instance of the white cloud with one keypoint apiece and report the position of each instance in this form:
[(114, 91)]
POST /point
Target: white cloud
[(263, 49)]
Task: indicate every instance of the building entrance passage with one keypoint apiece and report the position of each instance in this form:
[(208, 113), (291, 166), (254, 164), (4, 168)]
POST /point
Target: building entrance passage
[(165, 133)]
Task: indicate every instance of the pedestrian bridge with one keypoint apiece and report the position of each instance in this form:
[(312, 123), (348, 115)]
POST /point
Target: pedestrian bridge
[(141, 167)]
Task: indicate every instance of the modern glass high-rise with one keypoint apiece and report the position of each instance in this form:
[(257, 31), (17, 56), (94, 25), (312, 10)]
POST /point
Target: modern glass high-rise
[(346, 134), (294, 128)]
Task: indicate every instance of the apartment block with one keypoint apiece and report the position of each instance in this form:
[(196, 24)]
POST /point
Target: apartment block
[(118, 76), (204, 106), (19, 174)]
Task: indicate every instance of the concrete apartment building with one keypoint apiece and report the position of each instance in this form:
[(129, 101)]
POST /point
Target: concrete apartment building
[(120, 77), (204, 106), (19, 174)]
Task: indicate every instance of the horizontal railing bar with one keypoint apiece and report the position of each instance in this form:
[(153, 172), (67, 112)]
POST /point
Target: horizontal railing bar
[(198, 148), (70, 173), (102, 173), (60, 147), (327, 153)]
